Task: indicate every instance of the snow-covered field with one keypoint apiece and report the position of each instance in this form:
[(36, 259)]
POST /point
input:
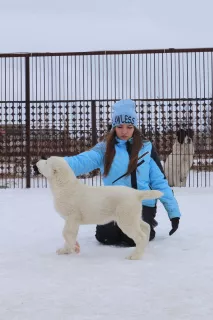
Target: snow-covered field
[(173, 281)]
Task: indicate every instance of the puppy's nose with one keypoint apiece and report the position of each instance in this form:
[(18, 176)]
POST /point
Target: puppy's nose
[(36, 171), (35, 168)]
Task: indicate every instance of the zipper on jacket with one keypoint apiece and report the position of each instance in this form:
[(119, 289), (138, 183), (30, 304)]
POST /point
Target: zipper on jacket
[(140, 163)]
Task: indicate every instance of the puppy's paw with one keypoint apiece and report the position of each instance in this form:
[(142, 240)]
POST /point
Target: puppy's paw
[(64, 250), (77, 247), (134, 256)]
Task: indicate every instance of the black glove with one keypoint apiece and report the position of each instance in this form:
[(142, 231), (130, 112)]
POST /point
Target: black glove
[(175, 224)]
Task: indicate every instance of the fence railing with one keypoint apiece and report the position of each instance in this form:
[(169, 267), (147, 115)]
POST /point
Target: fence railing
[(60, 103)]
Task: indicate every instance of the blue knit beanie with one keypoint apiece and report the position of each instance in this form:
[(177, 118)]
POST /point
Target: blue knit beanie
[(123, 112)]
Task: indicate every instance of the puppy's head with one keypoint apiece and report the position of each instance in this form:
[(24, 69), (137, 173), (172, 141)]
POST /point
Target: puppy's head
[(181, 135), (54, 166), (43, 167), (185, 136)]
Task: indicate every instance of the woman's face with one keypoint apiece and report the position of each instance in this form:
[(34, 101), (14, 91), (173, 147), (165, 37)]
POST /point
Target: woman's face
[(124, 131)]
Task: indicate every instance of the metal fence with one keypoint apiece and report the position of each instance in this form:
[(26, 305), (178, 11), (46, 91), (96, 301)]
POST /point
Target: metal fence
[(60, 103)]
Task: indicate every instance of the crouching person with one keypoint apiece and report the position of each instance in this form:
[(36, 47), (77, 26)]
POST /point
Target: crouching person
[(125, 158)]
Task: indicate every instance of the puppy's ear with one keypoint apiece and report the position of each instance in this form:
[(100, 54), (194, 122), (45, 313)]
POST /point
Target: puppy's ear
[(54, 171), (109, 127), (181, 134)]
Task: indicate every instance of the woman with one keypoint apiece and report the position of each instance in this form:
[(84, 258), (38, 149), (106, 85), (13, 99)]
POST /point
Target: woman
[(125, 159)]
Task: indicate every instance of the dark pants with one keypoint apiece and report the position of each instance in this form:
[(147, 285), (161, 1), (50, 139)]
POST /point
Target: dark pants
[(111, 234)]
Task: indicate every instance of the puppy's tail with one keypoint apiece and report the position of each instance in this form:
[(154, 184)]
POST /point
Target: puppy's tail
[(149, 194)]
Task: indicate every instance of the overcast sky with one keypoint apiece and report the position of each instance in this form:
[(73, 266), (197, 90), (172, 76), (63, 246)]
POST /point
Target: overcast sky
[(81, 25)]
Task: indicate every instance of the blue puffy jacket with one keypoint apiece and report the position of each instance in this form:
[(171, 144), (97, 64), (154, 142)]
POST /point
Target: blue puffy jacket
[(149, 171)]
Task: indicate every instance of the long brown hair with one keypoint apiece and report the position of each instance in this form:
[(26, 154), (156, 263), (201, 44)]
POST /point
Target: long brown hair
[(110, 150)]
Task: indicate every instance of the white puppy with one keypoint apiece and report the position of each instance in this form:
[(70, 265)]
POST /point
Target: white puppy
[(81, 204), (180, 160)]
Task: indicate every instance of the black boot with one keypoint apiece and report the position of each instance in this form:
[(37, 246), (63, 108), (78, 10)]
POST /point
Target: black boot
[(126, 241), (148, 215), (111, 234), (108, 234)]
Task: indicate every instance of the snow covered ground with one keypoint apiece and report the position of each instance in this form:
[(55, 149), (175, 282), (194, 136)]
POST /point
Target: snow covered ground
[(173, 281)]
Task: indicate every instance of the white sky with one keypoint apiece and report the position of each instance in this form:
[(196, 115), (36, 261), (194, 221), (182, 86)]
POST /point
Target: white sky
[(81, 25)]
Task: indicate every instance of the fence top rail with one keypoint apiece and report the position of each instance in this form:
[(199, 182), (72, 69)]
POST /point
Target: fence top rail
[(108, 100), (107, 52)]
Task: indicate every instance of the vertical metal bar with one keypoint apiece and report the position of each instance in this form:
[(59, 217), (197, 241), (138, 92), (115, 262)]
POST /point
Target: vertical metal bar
[(211, 108), (204, 116), (146, 95), (111, 77), (6, 119), (196, 107), (2, 128), (94, 131), (208, 118), (27, 106), (115, 87), (13, 115), (130, 76), (118, 77), (139, 84), (20, 181), (122, 77), (93, 123)]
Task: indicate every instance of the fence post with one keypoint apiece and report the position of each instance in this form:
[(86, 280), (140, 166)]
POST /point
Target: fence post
[(27, 109), (94, 129)]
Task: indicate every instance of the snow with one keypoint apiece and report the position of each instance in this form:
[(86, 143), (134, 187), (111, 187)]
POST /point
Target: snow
[(173, 281)]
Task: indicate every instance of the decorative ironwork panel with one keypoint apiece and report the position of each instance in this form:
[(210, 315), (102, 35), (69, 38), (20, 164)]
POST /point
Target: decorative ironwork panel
[(60, 104), (12, 123)]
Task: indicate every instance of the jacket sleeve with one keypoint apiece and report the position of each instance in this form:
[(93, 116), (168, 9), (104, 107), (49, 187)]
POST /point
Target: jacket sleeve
[(87, 161), (159, 182)]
